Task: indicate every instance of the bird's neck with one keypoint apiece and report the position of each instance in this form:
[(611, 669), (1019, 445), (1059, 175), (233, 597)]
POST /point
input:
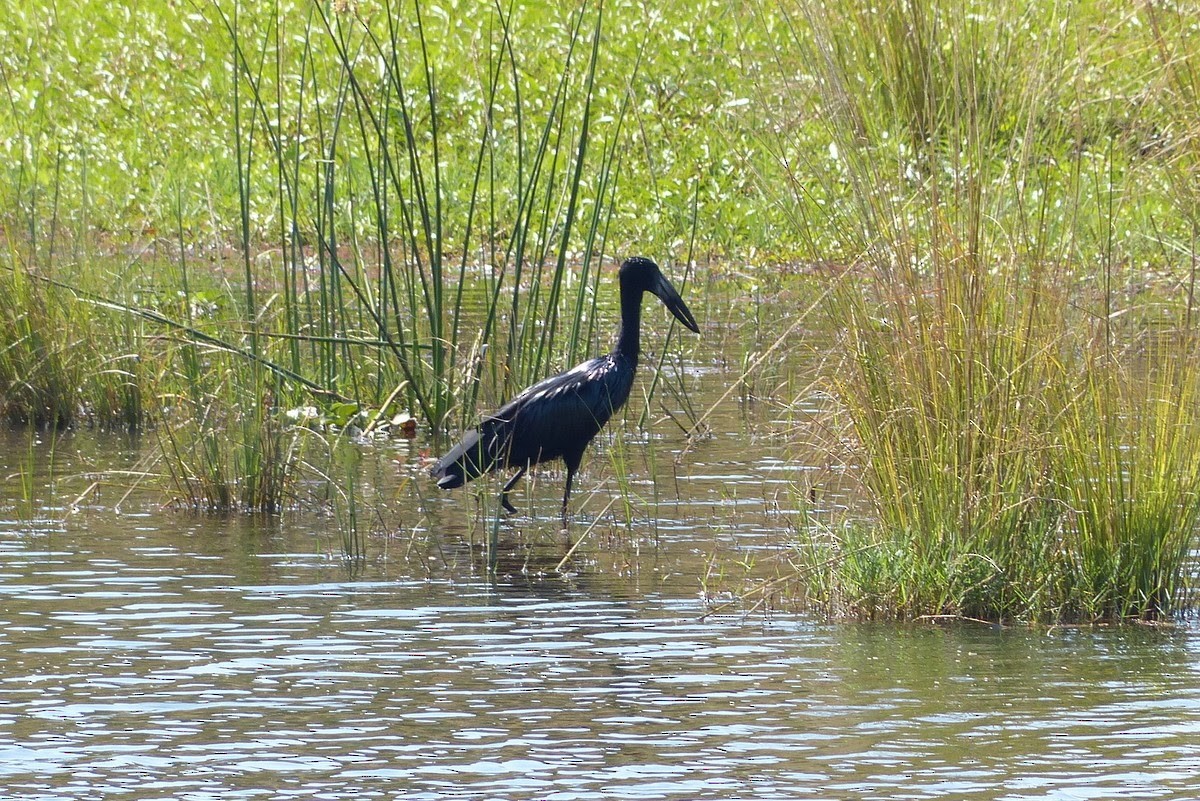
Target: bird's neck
[(629, 341)]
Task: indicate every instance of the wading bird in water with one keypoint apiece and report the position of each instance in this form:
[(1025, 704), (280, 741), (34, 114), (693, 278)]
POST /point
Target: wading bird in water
[(558, 417)]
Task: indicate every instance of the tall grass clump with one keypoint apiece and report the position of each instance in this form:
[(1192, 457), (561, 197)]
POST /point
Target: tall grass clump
[(951, 332), (1129, 471), (946, 402), (36, 367), (64, 363), (225, 444), (979, 224), (1129, 476), (223, 447)]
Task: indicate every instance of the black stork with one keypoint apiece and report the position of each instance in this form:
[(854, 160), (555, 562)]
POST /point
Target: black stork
[(558, 417)]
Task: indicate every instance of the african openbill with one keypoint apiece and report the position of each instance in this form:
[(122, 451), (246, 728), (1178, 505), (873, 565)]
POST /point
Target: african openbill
[(559, 416)]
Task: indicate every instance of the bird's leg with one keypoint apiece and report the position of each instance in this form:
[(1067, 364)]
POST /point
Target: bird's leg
[(572, 466), (567, 494), (507, 487)]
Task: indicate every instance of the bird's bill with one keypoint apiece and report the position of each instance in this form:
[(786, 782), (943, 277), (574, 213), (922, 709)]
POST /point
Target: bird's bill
[(672, 300)]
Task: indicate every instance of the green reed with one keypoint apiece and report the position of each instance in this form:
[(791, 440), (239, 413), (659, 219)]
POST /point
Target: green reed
[(1129, 476), (1023, 463), (509, 218), (406, 271)]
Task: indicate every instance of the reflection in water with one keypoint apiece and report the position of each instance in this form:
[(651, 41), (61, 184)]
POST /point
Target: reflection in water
[(242, 664)]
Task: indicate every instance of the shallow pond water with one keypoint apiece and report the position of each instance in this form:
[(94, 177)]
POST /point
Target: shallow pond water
[(204, 661), (149, 654)]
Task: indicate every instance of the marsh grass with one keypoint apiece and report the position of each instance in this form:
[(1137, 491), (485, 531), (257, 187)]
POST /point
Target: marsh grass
[(63, 363), (422, 205), (1020, 462), (945, 401), (224, 442), (36, 366), (1129, 477), (408, 272)]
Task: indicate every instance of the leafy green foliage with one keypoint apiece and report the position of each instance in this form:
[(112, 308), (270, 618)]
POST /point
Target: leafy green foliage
[(137, 105)]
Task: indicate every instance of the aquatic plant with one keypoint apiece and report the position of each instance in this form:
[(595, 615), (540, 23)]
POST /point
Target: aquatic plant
[(36, 368), (64, 363), (386, 317), (226, 449), (212, 217), (1129, 479), (1018, 467)]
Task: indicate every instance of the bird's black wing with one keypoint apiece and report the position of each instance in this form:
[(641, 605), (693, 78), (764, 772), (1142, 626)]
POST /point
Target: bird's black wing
[(559, 415), (562, 414)]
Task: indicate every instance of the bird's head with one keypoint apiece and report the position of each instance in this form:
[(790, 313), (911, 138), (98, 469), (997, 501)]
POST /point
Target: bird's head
[(641, 274)]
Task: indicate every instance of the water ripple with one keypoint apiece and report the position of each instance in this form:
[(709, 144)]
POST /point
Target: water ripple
[(159, 673)]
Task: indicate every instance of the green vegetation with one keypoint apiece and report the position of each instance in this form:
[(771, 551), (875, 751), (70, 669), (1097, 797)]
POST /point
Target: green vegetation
[(247, 229), (1025, 412)]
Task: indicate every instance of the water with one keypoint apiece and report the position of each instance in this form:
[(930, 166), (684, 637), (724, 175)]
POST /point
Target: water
[(204, 661), (146, 654)]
